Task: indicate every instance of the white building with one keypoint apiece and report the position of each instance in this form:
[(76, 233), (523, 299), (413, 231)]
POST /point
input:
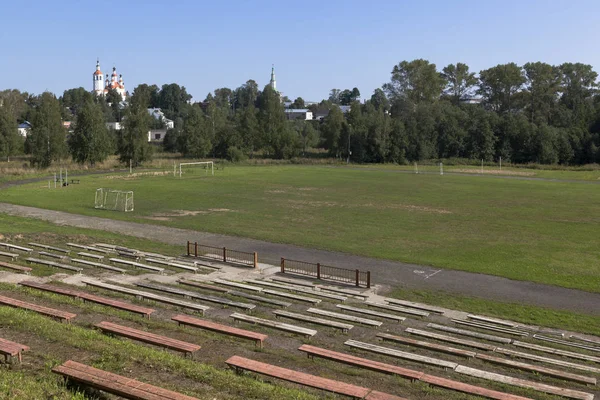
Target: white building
[(156, 135), (302, 114), (158, 114), (102, 86), (117, 126), (24, 128)]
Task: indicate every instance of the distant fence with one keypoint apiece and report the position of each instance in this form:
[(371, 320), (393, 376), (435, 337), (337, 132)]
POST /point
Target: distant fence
[(222, 254), (354, 276)]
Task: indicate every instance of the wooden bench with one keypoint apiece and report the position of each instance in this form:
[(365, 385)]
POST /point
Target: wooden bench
[(50, 312), (121, 305), (11, 349), (292, 296), (588, 347), (237, 285), (98, 265), (308, 333), (14, 267), (147, 337), (313, 320), (116, 384), (12, 256), (509, 380), (202, 285), (546, 360), (401, 354), (586, 380), (298, 290), (53, 264), (15, 247), (346, 292), (90, 255), (52, 255), (329, 385), (377, 366), (558, 352), (132, 255), (172, 264), (136, 265), (365, 311), (294, 282), (466, 332), (198, 296), (404, 310), (89, 248), (261, 299), (451, 339), (258, 338), (489, 327), (345, 317), (427, 345), (146, 295), (418, 306), (492, 320), (47, 247)]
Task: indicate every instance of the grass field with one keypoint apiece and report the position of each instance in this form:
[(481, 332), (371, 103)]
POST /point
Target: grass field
[(527, 230)]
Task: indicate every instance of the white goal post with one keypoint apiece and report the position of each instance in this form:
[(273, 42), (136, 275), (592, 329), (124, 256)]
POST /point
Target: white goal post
[(207, 163), (114, 200)]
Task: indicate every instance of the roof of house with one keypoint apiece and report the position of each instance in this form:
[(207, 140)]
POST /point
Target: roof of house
[(25, 125), (297, 110)]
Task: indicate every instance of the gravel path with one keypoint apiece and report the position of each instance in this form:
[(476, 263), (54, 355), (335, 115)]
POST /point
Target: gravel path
[(383, 272)]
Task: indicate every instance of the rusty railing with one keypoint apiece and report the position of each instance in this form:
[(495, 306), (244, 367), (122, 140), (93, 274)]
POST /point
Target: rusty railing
[(326, 272), (195, 249)]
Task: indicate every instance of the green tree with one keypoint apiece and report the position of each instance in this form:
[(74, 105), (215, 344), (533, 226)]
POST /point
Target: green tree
[(499, 85), (542, 85), (272, 121), (246, 95), (149, 94), (197, 134), (172, 99), (132, 144), (459, 81), (347, 96), (298, 104), (249, 129), (417, 81), (380, 100), (47, 139), (90, 141), (578, 87), (75, 99), (332, 130), (334, 96), (16, 103), (11, 142)]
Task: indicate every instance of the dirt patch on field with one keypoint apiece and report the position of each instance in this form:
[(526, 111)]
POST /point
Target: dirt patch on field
[(408, 207), (493, 172), (300, 204), (138, 175), (185, 213)]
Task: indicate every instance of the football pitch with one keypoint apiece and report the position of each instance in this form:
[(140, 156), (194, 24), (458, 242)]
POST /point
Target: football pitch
[(539, 231)]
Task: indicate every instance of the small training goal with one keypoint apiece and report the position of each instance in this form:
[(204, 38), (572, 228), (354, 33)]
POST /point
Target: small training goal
[(205, 164), (114, 200)]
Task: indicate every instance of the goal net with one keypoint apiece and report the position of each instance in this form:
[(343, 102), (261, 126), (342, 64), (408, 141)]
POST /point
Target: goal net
[(207, 165), (114, 200)]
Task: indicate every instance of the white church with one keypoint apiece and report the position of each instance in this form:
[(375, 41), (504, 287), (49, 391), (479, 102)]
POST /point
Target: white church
[(102, 86)]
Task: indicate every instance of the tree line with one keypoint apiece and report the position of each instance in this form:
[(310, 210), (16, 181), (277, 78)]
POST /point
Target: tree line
[(534, 113)]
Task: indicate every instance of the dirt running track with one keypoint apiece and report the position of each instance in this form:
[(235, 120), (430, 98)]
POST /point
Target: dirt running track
[(387, 273)]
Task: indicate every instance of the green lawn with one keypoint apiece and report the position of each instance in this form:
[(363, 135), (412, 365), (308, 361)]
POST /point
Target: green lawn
[(527, 230)]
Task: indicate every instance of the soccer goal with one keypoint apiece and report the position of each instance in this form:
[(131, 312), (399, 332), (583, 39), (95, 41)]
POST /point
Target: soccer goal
[(206, 164), (114, 200)]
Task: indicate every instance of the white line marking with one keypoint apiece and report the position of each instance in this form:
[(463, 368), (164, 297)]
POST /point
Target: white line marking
[(430, 275)]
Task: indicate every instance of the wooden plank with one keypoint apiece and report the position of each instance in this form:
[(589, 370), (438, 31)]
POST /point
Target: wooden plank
[(294, 282), (12, 349), (237, 285), (15, 247), (375, 395), (470, 389), (537, 369), (418, 306), (148, 337), (465, 332), (567, 343), (590, 341), (509, 380), (546, 360), (53, 248), (115, 384), (312, 351), (198, 263), (137, 265), (559, 352), (259, 338), (427, 345), (400, 354), (450, 339), (14, 267), (50, 288), (274, 324), (298, 377), (261, 299), (292, 296), (52, 255), (346, 292), (492, 320), (53, 264), (147, 295), (51, 312), (12, 256), (404, 310), (90, 248), (313, 320), (98, 265), (489, 327), (90, 255), (298, 290), (197, 296), (365, 311), (345, 317), (172, 264), (202, 285)]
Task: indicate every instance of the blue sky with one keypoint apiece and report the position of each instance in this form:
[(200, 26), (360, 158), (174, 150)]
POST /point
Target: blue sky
[(315, 45)]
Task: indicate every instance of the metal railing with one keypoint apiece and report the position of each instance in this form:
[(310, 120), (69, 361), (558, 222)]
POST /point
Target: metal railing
[(326, 272), (222, 254)]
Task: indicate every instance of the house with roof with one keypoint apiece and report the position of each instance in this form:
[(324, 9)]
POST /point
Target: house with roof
[(303, 114), (159, 115), (24, 128)]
